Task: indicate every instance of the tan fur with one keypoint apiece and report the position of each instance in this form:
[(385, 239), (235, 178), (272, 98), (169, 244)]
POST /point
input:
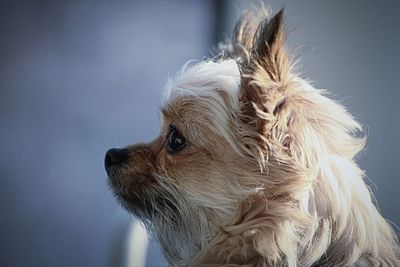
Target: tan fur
[(268, 177)]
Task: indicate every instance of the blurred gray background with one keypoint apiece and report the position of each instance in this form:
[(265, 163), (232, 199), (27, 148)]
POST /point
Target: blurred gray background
[(79, 77)]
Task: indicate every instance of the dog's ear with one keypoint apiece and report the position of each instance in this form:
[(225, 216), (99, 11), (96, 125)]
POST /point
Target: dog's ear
[(244, 32), (268, 50), (265, 75)]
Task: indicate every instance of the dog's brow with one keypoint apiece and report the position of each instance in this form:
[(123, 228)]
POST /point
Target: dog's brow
[(170, 109), (166, 111), (163, 111)]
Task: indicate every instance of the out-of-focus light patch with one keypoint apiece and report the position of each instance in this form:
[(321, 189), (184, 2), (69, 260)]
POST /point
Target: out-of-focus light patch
[(138, 242)]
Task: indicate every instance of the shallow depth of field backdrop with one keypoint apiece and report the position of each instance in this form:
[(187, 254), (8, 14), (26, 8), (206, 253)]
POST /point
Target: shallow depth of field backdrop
[(79, 77)]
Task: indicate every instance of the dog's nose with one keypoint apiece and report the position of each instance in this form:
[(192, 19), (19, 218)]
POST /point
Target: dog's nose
[(115, 156)]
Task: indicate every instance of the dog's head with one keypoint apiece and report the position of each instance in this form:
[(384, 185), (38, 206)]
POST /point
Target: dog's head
[(237, 131)]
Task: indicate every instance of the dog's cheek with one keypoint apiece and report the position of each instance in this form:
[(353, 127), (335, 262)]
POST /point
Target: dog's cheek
[(201, 180)]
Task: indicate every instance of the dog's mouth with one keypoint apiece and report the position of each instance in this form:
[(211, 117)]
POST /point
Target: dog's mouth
[(136, 192)]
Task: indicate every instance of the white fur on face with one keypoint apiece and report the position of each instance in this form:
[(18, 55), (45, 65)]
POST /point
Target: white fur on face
[(205, 78)]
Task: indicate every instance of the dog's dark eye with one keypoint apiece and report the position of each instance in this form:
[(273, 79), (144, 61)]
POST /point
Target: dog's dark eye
[(175, 140)]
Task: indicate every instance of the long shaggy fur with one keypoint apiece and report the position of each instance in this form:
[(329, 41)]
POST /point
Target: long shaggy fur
[(268, 177)]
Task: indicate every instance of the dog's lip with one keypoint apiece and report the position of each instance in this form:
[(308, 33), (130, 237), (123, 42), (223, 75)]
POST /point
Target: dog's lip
[(112, 174), (118, 180), (110, 170)]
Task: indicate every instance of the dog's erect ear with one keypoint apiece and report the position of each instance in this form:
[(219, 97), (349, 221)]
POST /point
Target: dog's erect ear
[(241, 42), (268, 48), (264, 77), (243, 33)]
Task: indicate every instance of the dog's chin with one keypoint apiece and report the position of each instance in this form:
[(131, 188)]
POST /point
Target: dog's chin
[(134, 192)]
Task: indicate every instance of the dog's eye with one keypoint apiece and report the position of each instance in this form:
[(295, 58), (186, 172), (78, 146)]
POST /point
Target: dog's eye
[(175, 140)]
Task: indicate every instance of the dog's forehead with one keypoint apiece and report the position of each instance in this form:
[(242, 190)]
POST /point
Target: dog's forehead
[(204, 79)]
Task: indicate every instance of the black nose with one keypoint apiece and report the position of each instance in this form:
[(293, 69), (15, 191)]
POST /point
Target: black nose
[(114, 156)]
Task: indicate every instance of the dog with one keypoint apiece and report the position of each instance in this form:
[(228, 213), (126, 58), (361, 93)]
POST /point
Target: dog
[(253, 166)]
